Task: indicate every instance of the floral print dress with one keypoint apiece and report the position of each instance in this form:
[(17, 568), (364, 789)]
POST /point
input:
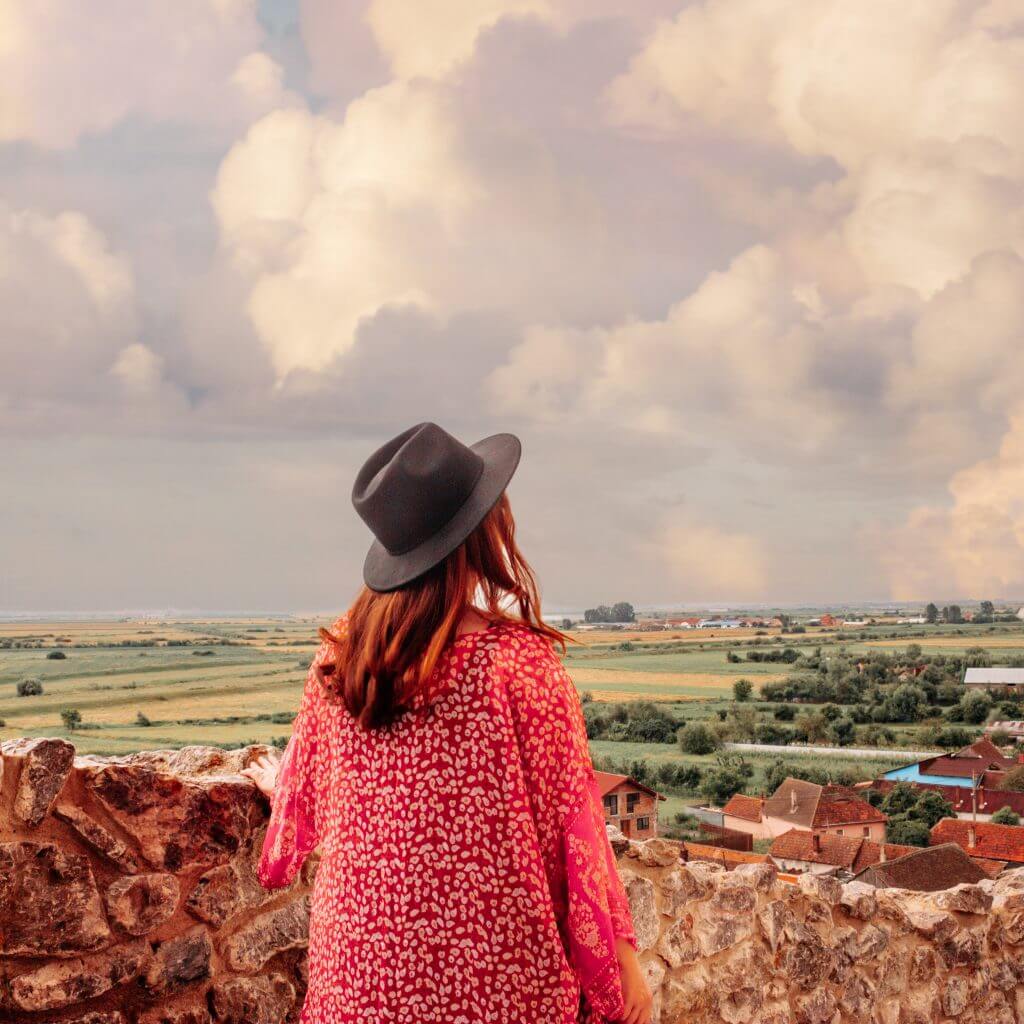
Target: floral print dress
[(465, 873)]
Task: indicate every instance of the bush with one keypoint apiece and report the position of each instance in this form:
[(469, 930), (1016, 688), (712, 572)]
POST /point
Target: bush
[(72, 718), (56, 656), (141, 719), (1014, 780), (29, 688), (907, 832), (697, 738), (1006, 816), (742, 689)]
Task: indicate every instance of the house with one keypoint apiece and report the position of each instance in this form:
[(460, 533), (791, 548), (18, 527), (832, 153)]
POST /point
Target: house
[(1009, 680), (830, 621), (982, 839), (980, 762), (924, 869), (824, 853), (804, 805), (833, 809), (719, 624), (629, 805)]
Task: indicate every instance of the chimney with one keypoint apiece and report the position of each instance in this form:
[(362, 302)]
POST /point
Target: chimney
[(815, 842), (881, 854), (792, 801), (972, 837)]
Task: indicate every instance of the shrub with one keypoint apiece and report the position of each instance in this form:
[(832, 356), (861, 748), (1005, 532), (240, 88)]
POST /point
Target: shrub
[(1006, 816), (72, 718), (141, 719), (56, 656), (29, 688), (742, 689), (907, 832), (697, 738)]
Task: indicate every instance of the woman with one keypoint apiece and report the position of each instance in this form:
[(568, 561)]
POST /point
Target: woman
[(439, 760)]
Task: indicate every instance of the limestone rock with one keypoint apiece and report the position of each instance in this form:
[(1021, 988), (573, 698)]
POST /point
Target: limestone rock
[(658, 852), (858, 900), (227, 890), (142, 902), (193, 1011), (677, 943), (63, 983), (99, 1017), (964, 899), (180, 960), (821, 887), (252, 1000), (45, 765), (49, 903), (640, 893), (177, 821), (98, 837), (287, 927)]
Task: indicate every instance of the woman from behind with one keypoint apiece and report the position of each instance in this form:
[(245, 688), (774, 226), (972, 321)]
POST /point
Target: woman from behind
[(439, 761)]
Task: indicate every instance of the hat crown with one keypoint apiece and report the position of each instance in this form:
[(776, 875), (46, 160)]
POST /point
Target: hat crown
[(413, 485)]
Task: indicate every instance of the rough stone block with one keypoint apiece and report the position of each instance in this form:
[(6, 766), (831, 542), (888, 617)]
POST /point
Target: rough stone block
[(259, 1000), (180, 960), (98, 837), (141, 903), (49, 903), (45, 766), (64, 983), (266, 935)]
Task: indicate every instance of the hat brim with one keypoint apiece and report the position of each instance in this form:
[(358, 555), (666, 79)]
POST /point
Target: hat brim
[(383, 571)]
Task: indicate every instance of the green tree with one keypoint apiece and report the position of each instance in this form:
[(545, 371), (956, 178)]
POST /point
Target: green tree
[(742, 690), (72, 718), (907, 832), (697, 738), (1006, 816), (1013, 780), (729, 777), (977, 657), (931, 808), (29, 688), (931, 613), (899, 799), (622, 611), (975, 707)]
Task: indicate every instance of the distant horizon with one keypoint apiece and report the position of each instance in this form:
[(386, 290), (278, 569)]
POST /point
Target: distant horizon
[(715, 607)]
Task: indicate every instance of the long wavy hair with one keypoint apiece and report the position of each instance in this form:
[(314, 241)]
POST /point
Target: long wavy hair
[(383, 663)]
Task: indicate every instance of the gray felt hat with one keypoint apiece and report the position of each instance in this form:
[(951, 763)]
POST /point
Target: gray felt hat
[(423, 493)]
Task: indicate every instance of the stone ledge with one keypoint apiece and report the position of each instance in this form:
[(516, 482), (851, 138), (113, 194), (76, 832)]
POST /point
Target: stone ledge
[(133, 899)]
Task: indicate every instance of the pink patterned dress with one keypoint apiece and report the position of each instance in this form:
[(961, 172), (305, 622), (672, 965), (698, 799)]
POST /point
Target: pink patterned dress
[(465, 874)]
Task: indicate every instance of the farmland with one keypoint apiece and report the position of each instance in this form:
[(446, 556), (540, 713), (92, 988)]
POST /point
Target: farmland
[(145, 684)]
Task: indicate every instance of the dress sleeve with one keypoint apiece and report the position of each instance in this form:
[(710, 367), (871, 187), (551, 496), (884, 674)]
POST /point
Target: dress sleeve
[(586, 889), (292, 830)]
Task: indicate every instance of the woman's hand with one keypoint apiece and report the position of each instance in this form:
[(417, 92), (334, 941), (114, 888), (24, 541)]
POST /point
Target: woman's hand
[(263, 771), (636, 996)]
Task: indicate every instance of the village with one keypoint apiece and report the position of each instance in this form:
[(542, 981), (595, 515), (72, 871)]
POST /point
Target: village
[(841, 831)]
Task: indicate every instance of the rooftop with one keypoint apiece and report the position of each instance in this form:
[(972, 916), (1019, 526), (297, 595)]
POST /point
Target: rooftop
[(994, 842), (607, 781), (809, 805), (926, 869), (750, 808), (994, 676), (850, 852)]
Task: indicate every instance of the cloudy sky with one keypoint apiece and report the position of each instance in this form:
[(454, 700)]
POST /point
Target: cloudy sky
[(746, 276)]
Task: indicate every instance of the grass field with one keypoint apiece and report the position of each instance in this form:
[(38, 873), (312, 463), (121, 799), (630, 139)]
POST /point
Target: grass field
[(229, 682)]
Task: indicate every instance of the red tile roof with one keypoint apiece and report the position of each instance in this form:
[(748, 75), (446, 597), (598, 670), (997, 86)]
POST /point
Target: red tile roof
[(993, 842), (925, 869), (749, 808), (797, 844), (607, 781), (852, 852), (811, 806)]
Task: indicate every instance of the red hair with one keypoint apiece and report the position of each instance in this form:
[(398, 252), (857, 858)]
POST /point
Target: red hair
[(384, 660)]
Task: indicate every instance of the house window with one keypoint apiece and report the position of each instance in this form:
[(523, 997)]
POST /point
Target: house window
[(611, 804), (643, 824), (867, 831), (631, 801), (839, 831)]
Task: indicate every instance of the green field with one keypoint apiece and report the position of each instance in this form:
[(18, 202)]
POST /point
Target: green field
[(229, 682)]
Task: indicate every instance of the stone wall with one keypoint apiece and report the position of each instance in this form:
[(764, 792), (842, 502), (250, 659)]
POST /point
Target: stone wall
[(128, 896), (744, 947), (128, 893)]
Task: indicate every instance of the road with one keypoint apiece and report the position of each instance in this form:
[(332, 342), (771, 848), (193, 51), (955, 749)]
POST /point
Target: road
[(772, 748)]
